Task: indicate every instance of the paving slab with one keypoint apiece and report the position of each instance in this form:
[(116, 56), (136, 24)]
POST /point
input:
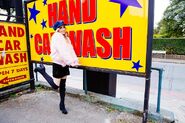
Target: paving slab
[(42, 107)]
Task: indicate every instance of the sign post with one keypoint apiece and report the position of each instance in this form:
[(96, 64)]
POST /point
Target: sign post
[(113, 36), (149, 60)]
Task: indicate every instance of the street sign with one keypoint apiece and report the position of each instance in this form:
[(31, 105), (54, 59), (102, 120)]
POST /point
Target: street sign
[(14, 66), (105, 34)]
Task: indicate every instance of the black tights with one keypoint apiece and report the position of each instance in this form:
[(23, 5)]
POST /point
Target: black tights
[(62, 91), (48, 78)]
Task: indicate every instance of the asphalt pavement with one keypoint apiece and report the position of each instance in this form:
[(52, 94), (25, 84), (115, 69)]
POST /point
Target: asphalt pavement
[(129, 87), (43, 107)]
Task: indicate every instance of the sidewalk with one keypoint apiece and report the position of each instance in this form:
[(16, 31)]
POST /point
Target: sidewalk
[(132, 88), (42, 107), (176, 61)]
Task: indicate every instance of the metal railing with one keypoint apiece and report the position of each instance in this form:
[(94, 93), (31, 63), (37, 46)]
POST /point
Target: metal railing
[(160, 70)]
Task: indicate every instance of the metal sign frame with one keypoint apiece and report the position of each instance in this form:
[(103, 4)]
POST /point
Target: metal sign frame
[(146, 75), (13, 88), (125, 72)]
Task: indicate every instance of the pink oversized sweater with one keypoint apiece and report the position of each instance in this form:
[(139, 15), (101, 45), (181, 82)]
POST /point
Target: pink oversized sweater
[(62, 51)]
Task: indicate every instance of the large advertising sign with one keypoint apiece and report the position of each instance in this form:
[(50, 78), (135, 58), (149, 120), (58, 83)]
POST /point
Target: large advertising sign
[(14, 67), (106, 34)]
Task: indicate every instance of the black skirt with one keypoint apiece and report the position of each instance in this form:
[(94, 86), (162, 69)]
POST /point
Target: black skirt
[(59, 71)]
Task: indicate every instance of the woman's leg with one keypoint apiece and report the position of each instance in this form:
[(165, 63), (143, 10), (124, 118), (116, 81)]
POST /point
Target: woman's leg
[(62, 91), (48, 78)]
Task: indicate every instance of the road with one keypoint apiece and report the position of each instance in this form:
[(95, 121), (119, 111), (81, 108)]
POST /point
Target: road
[(129, 87)]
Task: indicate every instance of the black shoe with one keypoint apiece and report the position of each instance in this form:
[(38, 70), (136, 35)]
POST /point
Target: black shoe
[(40, 69), (63, 109), (42, 66)]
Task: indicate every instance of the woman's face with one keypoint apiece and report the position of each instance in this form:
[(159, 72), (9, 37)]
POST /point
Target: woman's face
[(62, 29)]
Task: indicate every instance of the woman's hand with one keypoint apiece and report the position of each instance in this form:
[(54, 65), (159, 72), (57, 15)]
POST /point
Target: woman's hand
[(75, 64), (66, 34)]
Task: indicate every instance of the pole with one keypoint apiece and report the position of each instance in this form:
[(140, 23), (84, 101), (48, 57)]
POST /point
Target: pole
[(159, 91), (32, 82), (159, 88), (148, 58), (36, 74), (85, 80), (146, 99), (19, 11)]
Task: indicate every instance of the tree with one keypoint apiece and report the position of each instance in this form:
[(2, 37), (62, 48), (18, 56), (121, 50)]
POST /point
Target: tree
[(173, 21)]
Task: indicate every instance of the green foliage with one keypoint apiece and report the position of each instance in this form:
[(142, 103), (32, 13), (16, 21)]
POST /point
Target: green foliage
[(42, 87), (171, 46), (158, 36), (173, 22)]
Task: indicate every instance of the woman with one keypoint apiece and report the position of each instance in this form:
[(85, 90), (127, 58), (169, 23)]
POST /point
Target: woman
[(63, 56)]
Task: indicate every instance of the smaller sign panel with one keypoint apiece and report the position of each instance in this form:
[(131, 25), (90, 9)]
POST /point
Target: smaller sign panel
[(14, 67)]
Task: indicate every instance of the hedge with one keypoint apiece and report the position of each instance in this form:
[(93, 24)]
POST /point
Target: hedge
[(171, 46)]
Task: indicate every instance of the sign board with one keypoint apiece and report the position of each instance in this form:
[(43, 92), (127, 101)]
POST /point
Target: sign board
[(14, 67), (106, 34)]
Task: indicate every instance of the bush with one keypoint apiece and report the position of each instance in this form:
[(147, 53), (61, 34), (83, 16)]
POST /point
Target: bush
[(171, 46)]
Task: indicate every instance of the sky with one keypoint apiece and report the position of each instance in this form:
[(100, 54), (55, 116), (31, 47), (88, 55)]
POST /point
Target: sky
[(159, 8)]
